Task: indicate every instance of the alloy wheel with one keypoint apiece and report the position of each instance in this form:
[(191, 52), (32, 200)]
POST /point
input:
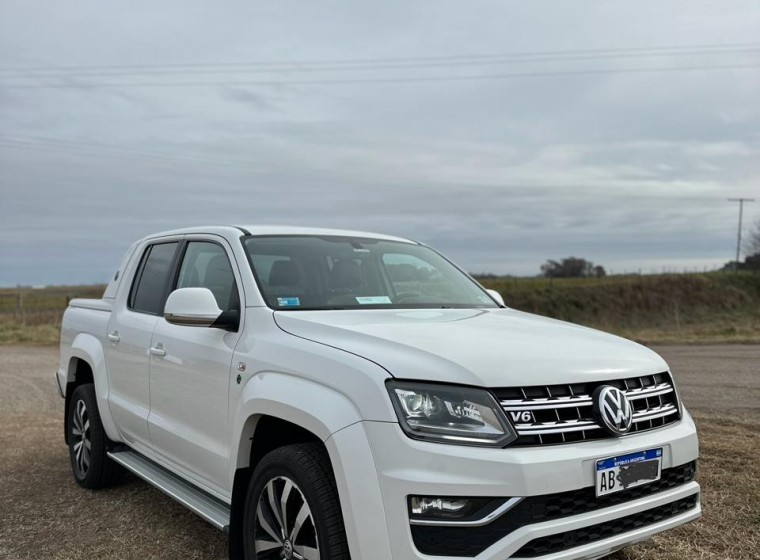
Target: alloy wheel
[(284, 528), (80, 430)]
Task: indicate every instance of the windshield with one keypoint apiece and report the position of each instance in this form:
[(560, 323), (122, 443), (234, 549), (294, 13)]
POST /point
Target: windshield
[(299, 272)]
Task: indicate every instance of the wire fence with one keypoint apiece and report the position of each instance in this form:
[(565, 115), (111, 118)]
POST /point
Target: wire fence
[(30, 306)]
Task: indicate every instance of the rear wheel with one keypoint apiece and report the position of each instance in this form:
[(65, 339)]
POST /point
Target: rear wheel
[(292, 510), (88, 443)]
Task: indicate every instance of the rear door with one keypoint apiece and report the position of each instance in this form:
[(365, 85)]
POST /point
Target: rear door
[(130, 330), (189, 385)]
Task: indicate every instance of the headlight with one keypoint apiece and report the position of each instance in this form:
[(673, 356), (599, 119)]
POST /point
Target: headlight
[(450, 414)]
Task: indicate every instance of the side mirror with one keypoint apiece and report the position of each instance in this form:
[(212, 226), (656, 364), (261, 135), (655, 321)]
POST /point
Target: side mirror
[(193, 307), (497, 296)]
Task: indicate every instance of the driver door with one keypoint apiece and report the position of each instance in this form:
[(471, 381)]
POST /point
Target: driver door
[(191, 371)]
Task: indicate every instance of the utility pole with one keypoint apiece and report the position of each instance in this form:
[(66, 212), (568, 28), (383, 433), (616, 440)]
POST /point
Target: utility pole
[(741, 202)]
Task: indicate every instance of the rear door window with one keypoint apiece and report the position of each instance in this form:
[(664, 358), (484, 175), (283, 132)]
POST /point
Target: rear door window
[(152, 279)]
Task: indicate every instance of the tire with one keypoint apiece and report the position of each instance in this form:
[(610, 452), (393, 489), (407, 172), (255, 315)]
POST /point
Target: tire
[(303, 474), (88, 443)]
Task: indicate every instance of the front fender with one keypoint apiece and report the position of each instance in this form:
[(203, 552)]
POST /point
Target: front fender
[(88, 348), (325, 413)]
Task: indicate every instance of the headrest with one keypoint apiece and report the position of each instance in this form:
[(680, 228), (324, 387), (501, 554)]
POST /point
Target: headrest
[(345, 275), (218, 271), (284, 273)]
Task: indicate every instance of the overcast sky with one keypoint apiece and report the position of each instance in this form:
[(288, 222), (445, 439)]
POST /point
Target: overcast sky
[(503, 133)]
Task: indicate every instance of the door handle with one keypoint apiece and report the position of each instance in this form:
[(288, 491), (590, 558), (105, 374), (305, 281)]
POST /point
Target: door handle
[(158, 350), (114, 337)]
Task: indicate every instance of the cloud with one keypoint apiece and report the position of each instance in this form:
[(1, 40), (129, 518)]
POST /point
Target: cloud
[(630, 170)]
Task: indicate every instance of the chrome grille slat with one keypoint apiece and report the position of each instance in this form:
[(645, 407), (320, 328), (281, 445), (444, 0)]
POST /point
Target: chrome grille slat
[(559, 402), (657, 390), (563, 413), (556, 427), (652, 413)]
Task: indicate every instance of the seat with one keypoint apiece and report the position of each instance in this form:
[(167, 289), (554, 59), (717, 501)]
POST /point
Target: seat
[(346, 276), (285, 279), (345, 282)]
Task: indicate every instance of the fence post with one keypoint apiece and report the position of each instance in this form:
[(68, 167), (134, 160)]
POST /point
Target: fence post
[(20, 305), (678, 316)]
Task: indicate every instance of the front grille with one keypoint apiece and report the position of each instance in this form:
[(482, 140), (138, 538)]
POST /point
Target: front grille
[(570, 539), (551, 414), (471, 541)]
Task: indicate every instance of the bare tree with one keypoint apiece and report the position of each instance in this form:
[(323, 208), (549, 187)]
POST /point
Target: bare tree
[(752, 249), (752, 244)]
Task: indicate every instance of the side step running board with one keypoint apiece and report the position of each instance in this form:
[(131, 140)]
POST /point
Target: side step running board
[(208, 507)]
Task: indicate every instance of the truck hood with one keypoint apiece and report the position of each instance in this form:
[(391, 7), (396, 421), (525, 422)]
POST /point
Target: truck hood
[(484, 347)]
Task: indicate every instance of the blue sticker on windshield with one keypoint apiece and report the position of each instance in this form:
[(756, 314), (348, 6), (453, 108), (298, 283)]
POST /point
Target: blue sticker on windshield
[(288, 302)]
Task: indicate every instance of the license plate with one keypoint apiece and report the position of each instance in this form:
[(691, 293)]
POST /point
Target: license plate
[(628, 471)]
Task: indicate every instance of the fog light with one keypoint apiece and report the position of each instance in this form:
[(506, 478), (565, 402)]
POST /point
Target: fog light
[(427, 505), (428, 509), (457, 511)]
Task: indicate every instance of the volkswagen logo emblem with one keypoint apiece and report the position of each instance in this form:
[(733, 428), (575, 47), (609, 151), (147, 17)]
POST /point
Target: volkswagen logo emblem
[(287, 550), (612, 410)]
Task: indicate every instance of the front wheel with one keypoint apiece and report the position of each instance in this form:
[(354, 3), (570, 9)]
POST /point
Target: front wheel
[(292, 510)]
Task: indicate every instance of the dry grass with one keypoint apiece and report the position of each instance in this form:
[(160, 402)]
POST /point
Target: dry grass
[(14, 333), (737, 328), (729, 473), (33, 316), (684, 308)]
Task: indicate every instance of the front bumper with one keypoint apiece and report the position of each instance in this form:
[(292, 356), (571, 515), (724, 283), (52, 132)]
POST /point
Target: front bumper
[(398, 467)]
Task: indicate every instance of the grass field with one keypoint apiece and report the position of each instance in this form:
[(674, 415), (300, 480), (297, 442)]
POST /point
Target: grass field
[(677, 308), (682, 308), (33, 316)]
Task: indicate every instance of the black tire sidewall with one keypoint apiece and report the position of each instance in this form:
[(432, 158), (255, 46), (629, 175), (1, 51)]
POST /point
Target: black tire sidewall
[(276, 465), (98, 440)]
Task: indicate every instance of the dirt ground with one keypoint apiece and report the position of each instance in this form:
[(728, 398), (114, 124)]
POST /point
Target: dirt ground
[(44, 514)]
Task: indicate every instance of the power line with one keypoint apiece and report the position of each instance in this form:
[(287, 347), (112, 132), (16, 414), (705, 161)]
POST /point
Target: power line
[(741, 202), (413, 79), (523, 54), (90, 149), (400, 64)]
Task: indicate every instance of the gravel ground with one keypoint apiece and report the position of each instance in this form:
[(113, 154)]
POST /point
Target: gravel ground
[(44, 514), (716, 378)]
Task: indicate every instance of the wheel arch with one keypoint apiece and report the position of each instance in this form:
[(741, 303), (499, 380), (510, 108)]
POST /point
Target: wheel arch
[(301, 403), (86, 363), (79, 372)]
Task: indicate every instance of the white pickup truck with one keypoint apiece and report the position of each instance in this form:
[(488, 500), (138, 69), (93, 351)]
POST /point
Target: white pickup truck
[(324, 394)]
